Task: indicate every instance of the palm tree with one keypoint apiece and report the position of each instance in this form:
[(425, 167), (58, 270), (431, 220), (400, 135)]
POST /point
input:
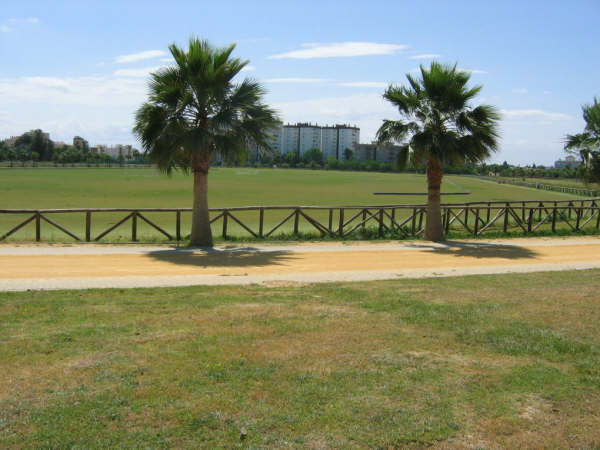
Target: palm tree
[(587, 144), (439, 125), (195, 110)]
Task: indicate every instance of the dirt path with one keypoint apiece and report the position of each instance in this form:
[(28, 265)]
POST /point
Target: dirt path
[(89, 266)]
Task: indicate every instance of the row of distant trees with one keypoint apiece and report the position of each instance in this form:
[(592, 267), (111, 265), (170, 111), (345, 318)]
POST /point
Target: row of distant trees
[(35, 147), (314, 159)]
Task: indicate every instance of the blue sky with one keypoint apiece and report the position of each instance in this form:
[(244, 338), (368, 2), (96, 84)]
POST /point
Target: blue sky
[(78, 67)]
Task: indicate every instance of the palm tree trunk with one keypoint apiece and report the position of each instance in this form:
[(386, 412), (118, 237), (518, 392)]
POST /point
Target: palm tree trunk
[(433, 225), (201, 233)]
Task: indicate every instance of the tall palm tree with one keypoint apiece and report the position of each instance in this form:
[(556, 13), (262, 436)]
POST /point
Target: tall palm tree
[(194, 111), (439, 125), (587, 144)]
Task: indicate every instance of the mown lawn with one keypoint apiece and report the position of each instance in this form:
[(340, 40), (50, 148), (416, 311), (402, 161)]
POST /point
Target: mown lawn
[(507, 361), (32, 188)]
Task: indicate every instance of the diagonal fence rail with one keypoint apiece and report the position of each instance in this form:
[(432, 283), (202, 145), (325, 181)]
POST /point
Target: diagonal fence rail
[(402, 221)]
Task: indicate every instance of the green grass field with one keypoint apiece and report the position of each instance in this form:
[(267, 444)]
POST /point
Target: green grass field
[(32, 188), (448, 362)]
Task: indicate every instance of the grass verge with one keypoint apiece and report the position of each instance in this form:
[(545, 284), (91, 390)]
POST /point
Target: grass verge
[(506, 361)]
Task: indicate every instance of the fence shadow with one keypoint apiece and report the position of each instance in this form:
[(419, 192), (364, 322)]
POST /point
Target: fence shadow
[(482, 250), (229, 257)]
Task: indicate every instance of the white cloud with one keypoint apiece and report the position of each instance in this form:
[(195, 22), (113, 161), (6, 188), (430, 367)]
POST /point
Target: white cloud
[(100, 108), (87, 91), (533, 114), (15, 21), (166, 60), (296, 80), (473, 71), (143, 72), (520, 91), (340, 49), (133, 57), (425, 56), (248, 68), (370, 84)]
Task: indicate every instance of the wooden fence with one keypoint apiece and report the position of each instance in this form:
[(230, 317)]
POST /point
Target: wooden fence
[(473, 218), (546, 187)]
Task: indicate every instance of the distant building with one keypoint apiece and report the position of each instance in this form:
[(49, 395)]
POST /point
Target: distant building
[(376, 152), (115, 150), (337, 138), (570, 162), (298, 138)]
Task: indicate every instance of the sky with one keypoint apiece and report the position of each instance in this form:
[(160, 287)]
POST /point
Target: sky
[(81, 67)]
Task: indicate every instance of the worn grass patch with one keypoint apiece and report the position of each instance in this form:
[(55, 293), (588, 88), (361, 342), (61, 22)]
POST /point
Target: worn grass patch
[(503, 361)]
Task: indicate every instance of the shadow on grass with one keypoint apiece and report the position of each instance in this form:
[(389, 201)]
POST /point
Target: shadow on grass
[(481, 250), (228, 257)]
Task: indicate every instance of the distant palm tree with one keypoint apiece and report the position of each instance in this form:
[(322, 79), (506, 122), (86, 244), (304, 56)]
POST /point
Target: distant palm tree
[(587, 144), (439, 125), (195, 110)]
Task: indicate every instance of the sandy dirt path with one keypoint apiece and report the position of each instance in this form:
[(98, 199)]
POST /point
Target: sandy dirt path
[(25, 267)]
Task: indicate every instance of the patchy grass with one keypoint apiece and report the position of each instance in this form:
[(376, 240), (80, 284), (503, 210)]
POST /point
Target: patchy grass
[(505, 361)]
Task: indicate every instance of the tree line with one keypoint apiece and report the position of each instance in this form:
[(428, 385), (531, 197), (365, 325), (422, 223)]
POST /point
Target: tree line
[(34, 147)]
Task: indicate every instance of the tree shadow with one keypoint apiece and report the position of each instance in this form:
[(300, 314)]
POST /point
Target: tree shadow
[(228, 257), (481, 250)]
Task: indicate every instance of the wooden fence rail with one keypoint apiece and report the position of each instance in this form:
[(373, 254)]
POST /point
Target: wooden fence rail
[(545, 187), (474, 218)]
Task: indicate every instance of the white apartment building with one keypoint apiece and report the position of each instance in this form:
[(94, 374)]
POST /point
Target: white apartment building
[(300, 137), (115, 150), (309, 137), (336, 139)]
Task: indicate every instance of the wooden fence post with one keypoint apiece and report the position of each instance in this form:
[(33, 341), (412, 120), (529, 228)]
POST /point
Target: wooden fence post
[(413, 222), (225, 216), (380, 231), (88, 226), (134, 226), (38, 227), (261, 221), (554, 217), (178, 225), (296, 220), (487, 220), (364, 218), (341, 223), (446, 221), (330, 220), (476, 227), (505, 227)]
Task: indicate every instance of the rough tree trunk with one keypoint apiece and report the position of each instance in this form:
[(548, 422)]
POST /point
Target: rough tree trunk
[(433, 225), (201, 233)]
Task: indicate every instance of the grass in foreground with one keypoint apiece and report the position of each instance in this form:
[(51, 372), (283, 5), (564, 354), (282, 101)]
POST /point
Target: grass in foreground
[(506, 361)]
